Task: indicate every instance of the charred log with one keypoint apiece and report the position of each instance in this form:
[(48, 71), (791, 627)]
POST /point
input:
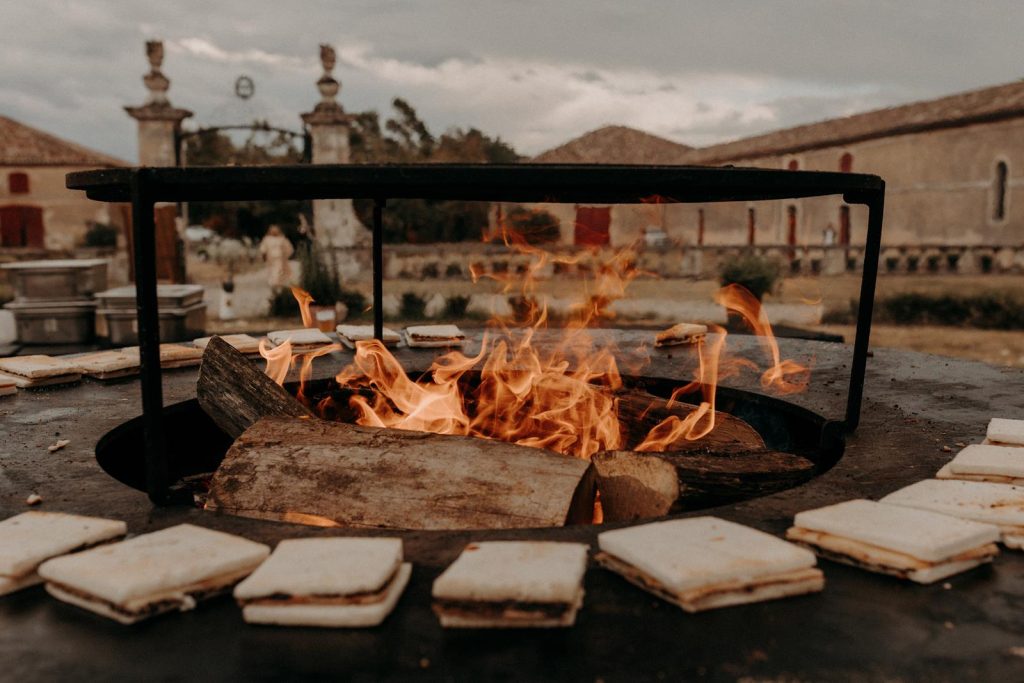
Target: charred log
[(643, 485), (235, 394), (346, 475), (639, 412)]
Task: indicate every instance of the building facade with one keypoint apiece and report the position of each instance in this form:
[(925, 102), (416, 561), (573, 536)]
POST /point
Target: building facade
[(954, 170), (37, 211)]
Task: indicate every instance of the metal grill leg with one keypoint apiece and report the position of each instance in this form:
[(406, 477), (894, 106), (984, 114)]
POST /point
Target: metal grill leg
[(378, 269), (144, 242), (872, 251)]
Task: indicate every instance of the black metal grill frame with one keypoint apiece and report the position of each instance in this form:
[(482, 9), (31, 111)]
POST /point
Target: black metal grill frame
[(605, 184)]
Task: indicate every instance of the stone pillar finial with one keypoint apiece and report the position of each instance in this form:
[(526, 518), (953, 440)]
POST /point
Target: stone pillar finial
[(328, 86), (159, 122), (155, 81), (335, 223)]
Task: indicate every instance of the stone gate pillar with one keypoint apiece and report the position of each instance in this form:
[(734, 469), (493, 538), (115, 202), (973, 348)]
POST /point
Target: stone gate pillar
[(159, 122), (334, 221)]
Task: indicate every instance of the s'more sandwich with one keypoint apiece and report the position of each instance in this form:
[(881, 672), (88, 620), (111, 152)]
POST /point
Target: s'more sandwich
[(1005, 432), (30, 372), (680, 334), (908, 543), (243, 343), (512, 584), (328, 582), (108, 365), (981, 501), (350, 334), (302, 339), (703, 563), (433, 336), (163, 571), (172, 355), (978, 462), (29, 539)]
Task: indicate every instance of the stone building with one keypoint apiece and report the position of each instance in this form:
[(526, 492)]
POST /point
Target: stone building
[(954, 169), (37, 212)]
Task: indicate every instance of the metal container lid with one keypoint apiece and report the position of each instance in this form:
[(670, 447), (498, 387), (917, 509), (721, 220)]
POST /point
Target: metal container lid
[(23, 308), (165, 312), (167, 295), (60, 264)]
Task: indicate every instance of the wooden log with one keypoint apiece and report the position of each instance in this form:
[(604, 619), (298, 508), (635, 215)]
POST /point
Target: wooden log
[(235, 394), (639, 412), (643, 485), (346, 475)]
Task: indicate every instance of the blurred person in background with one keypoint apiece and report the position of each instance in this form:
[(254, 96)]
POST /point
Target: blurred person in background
[(276, 251)]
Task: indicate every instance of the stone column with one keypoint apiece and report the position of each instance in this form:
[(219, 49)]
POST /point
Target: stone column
[(159, 122), (335, 224)]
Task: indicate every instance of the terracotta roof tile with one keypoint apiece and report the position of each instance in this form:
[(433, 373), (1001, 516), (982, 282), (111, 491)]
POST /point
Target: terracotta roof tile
[(622, 145), (616, 145), (22, 145), (998, 102)]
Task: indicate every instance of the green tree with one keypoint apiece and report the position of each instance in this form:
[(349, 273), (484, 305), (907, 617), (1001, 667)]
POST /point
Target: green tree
[(249, 219), (402, 138), (405, 138)]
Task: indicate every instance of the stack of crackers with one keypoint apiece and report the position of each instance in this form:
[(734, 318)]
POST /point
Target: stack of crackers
[(30, 372)]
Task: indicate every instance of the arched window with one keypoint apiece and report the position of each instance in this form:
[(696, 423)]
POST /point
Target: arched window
[(793, 165), (751, 225), (999, 191), (17, 183), (846, 163)]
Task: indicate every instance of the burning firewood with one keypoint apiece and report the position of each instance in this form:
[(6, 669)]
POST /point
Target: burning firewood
[(235, 393), (346, 475), (341, 474), (644, 485), (640, 412)]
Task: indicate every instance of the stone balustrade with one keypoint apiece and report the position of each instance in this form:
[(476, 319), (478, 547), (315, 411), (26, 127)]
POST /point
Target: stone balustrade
[(439, 261)]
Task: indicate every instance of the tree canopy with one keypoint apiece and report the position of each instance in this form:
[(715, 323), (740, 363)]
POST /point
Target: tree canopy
[(405, 138), (245, 219), (402, 138)]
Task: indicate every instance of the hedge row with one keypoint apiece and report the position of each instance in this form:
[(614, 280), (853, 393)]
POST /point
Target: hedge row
[(983, 311)]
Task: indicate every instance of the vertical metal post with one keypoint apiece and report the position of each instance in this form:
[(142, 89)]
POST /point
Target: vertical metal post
[(872, 252), (144, 243), (378, 269)]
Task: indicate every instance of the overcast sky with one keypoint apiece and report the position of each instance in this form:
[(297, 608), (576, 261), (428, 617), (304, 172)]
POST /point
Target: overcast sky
[(534, 72)]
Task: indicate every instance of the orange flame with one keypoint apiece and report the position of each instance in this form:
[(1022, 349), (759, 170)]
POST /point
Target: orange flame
[(279, 360), (304, 299), (562, 397), (700, 422), (306, 370), (784, 376)]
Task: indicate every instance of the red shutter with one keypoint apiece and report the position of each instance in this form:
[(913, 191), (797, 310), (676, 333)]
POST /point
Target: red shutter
[(10, 226), (32, 222), (21, 226), (593, 225), (17, 183)]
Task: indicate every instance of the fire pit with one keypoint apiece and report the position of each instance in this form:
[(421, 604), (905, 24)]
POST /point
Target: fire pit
[(196, 445), (577, 413), (523, 183), (864, 626)]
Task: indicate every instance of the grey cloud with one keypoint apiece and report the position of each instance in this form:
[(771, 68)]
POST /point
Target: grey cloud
[(68, 67)]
